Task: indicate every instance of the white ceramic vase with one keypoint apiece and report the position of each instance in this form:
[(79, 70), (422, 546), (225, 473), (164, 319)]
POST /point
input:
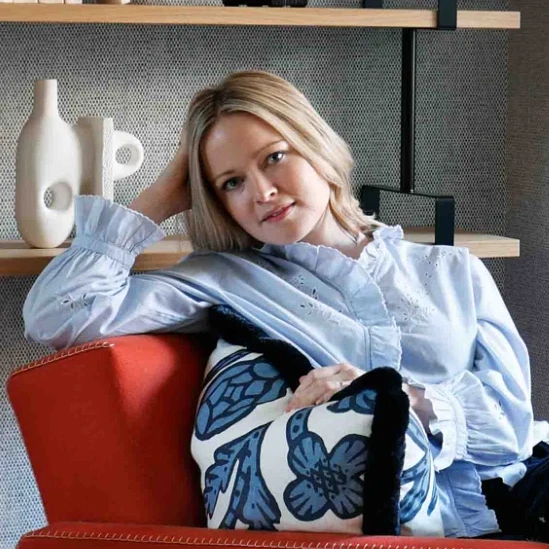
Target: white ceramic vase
[(66, 161), (101, 169), (48, 157)]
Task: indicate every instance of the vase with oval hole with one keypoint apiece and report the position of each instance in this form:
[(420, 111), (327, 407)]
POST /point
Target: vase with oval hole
[(56, 161)]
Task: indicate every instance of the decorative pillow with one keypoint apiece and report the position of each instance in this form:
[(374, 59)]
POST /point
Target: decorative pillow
[(359, 464)]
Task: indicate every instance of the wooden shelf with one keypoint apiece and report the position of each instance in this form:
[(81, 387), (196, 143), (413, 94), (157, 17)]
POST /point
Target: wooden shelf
[(212, 15), (481, 245), (19, 259)]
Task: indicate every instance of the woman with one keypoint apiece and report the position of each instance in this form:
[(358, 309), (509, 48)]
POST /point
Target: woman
[(279, 238)]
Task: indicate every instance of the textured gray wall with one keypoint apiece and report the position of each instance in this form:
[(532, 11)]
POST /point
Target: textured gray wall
[(527, 279), (145, 76)]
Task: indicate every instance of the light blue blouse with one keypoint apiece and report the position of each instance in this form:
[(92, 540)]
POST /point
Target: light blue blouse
[(432, 312)]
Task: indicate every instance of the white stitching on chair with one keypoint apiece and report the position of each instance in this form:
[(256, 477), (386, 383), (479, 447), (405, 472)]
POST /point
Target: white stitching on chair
[(235, 542), (63, 354)]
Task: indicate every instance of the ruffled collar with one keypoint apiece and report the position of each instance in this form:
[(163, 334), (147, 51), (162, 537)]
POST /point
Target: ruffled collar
[(385, 233), (351, 276), (389, 232)]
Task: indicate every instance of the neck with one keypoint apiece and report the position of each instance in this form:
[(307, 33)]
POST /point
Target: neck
[(330, 233)]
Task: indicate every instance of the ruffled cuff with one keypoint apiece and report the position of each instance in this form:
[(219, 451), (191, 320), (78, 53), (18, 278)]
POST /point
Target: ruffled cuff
[(463, 506), (450, 423), (112, 229), (385, 348)]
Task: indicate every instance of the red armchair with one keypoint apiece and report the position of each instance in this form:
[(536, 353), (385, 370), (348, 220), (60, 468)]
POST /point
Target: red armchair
[(107, 426)]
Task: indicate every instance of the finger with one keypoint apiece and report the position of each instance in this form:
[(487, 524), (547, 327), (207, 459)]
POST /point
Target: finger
[(293, 404), (332, 390), (314, 393), (324, 398), (319, 373), (343, 371), (306, 398), (301, 401)]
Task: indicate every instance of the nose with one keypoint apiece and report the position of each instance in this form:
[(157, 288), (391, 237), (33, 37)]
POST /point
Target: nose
[(263, 188)]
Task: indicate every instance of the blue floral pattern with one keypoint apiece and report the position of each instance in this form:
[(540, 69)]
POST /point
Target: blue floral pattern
[(319, 484), (324, 480), (361, 403), (419, 475), (235, 392), (251, 501)]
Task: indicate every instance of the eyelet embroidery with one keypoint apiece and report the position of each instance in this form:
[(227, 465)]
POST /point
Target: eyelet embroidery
[(315, 307), (431, 261), (76, 304), (413, 304), (309, 307)]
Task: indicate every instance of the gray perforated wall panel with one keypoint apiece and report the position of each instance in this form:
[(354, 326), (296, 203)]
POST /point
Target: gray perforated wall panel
[(527, 279), (144, 76)]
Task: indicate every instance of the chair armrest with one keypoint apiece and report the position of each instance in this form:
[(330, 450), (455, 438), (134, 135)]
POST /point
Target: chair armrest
[(107, 427), (111, 536)]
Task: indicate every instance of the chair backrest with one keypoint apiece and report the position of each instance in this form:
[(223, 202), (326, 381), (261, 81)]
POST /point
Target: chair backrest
[(107, 426)]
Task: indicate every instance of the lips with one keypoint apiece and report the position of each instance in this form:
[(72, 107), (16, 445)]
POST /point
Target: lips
[(278, 212)]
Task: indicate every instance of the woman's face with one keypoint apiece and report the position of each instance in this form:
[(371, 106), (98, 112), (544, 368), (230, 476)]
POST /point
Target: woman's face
[(271, 191)]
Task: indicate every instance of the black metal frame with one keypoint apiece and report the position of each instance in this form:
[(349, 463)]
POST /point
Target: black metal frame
[(370, 194)]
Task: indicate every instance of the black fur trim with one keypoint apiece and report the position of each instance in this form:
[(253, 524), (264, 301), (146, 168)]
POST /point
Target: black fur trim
[(237, 330), (384, 466)]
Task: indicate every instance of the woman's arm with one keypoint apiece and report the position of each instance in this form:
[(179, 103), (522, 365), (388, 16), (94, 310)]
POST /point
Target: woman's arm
[(169, 195), (485, 415), (87, 292)]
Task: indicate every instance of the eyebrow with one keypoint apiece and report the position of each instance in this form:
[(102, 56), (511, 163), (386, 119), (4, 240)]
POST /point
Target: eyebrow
[(256, 153)]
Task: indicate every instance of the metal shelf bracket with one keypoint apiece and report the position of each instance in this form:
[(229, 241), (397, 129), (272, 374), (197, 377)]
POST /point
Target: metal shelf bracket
[(447, 14), (370, 194), (444, 210)]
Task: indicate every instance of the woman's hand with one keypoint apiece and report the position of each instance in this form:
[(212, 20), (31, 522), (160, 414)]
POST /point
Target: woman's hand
[(170, 193), (319, 385), (421, 406)]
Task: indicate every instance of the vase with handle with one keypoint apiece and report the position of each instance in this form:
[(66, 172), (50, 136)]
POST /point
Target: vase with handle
[(102, 169)]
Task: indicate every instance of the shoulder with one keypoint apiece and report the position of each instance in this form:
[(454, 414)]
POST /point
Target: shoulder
[(445, 270), (420, 254), (430, 253)]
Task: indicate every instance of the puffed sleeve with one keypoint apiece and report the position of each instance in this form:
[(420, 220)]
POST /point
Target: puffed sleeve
[(87, 292), (485, 415)]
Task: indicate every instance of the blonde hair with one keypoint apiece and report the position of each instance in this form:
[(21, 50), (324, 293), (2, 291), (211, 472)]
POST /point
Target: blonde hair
[(282, 106)]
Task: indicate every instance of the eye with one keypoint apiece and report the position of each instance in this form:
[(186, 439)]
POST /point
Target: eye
[(230, 184), (276, 157)]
